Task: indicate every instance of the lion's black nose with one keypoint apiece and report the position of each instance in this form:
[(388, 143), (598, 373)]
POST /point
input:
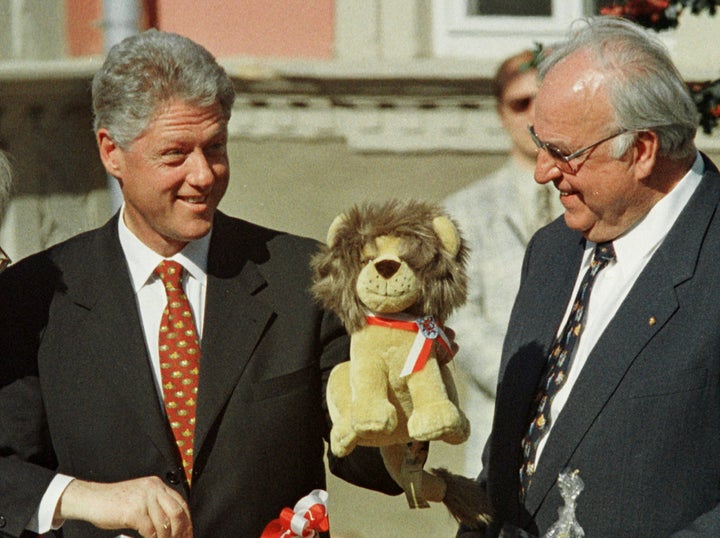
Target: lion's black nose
[(387, 268)]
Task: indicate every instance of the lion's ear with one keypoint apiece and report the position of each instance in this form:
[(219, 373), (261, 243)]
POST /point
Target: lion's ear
[(334, 227), (448, 234)]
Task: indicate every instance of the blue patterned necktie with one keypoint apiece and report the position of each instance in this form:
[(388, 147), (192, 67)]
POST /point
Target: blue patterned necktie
[(558, 363)]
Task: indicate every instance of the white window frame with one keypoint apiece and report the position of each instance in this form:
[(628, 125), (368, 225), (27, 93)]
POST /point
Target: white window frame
[(455, 34)]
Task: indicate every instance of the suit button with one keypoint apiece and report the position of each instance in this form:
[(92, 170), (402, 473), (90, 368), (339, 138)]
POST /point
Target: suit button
[(3, 521), (173, 477)]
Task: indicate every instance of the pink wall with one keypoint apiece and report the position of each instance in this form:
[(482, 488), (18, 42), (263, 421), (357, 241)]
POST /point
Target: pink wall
[(83, 27), (263, 28)]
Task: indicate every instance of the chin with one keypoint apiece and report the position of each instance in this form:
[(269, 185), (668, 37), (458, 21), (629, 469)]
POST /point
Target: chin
[(589, 234), (199, 234), (573, 223), (194, 233)]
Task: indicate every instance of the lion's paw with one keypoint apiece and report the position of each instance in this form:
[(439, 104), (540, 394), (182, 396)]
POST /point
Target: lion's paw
[(440, 420), (380, 417), (342, 440)]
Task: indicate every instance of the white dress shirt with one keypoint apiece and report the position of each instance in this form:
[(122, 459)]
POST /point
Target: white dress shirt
[(151, 299), (150, 293), (633, 250)]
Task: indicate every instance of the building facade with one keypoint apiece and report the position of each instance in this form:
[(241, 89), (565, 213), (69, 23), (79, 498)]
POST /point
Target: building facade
[(339, 101)]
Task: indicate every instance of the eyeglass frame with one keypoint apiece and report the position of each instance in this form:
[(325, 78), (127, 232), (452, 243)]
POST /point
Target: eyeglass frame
[(558, 156), (4, 260)]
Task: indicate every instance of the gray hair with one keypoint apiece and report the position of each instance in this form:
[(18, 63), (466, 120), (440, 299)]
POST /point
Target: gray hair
[(6, 181), (646, 90), (145, 71)]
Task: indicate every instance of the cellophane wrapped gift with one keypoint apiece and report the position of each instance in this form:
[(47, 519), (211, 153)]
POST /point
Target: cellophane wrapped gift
[(567, 525)]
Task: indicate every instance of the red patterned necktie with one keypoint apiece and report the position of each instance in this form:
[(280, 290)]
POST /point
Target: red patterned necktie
[(558, 364), (179, 347)]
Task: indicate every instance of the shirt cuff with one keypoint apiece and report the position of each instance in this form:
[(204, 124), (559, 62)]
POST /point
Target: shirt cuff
[(42, 520)]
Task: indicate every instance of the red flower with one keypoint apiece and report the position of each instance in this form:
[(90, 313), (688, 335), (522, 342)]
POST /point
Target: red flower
[(615, 10), (637, 8)]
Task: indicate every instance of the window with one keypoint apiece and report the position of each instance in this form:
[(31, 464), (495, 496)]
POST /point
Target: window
[(538, 8), (494, 29)]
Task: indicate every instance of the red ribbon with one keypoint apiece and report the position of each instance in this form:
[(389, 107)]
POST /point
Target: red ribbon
[(428, 332), (305, 520)]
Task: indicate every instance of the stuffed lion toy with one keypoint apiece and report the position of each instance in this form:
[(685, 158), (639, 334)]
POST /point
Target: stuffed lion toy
[(393, 272)]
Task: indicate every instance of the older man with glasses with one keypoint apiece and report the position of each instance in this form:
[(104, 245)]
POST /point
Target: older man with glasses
[(611, 362)]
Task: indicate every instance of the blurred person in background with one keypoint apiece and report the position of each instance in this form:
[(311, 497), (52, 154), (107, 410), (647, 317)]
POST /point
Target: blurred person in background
[(498, 215)]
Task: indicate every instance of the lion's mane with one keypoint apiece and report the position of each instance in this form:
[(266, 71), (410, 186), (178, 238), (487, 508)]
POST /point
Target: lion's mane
[(336, 266)]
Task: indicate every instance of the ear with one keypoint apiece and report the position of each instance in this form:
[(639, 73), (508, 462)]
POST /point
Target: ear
[(110, 153), (646, 153), (448, 234), (334, 227)]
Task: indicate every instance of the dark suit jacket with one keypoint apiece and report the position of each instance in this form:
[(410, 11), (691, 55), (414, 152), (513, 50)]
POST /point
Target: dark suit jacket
[(77, 393), (642, 423)]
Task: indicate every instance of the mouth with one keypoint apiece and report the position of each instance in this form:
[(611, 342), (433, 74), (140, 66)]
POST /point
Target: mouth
[(564, 192), (193, 199), (568, 199), (386, 292)]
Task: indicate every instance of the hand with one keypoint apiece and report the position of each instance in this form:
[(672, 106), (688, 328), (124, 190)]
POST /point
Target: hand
[(143, 504), (432, 487)]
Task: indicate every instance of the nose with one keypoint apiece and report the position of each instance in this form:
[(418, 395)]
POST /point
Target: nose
[(387, 268), (545, 168), (200, 173)]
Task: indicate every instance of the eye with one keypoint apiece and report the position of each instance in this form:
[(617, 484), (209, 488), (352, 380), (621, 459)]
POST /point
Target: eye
[(175, 156), (217, 149), (556, 152)]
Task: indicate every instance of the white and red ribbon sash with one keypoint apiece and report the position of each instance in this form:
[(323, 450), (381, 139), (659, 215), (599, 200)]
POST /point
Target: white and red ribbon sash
[(427, 333), (305, 520)]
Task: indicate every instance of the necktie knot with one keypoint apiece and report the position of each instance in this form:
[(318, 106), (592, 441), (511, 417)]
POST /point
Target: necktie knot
[(170, 272), (604, 253)]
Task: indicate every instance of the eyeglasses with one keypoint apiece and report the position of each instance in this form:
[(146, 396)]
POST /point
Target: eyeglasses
[(562, 159), (519, 104), (4, 260)]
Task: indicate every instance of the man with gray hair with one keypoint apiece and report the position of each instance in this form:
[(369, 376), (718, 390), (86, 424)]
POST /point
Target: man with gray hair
[(164, 375), (611, 362)]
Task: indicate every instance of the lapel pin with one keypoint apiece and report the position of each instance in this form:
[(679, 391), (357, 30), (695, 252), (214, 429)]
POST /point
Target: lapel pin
[(652, 320)]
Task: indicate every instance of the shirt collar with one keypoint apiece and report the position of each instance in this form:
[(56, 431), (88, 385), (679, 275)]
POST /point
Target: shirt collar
[(142, 260), (643, 238)]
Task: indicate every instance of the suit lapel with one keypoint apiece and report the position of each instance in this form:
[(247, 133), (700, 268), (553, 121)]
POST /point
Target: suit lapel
[(105, 290), (235, 318), (652, 296)]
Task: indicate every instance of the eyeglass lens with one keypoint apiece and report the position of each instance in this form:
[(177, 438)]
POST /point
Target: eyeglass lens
[(556, 154)]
